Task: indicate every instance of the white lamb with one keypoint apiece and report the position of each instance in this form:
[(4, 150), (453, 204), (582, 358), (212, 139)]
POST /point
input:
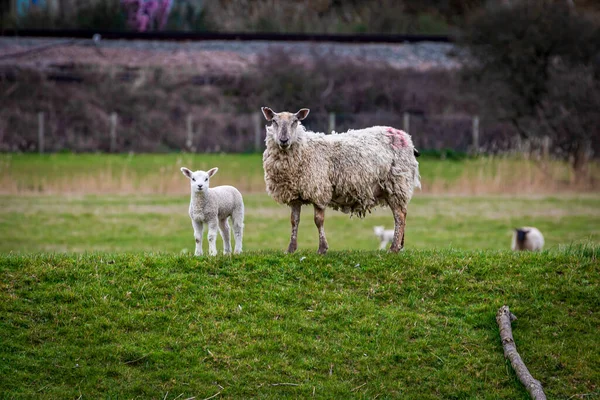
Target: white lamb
[(352, 172), (385, 236), (213, 206), (527, 238)]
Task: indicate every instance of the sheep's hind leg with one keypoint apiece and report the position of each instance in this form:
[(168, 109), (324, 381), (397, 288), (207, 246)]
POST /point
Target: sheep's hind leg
[(319, 220), (238, 231), (295, 220), (198, 233), (224, 230), (403, 226), (399, 225)]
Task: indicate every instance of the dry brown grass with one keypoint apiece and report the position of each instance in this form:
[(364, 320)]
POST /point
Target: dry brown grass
[(507, 176), (482, 176)]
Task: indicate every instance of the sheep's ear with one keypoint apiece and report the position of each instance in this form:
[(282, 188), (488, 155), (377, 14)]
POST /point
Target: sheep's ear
[(186, 172), (212, 171), (268, 113), (302, 113)]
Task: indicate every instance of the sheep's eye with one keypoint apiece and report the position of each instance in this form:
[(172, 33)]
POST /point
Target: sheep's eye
[(205, 179), (194, 179)]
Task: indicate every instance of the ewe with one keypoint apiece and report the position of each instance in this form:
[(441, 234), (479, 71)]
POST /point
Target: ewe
[(213, 206), (527, 238), (352, 172)]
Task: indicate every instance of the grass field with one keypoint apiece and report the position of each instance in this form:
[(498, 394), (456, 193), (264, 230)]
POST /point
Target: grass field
[(159, 223), (100, 298), (266, 325)]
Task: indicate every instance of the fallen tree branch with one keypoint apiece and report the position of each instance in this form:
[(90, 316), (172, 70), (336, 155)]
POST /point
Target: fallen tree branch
[(504, 317)]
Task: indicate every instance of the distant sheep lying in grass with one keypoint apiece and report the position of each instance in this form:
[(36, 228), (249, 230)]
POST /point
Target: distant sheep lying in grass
[(385, 236), (352, 172), (212, 206), (527, 238)]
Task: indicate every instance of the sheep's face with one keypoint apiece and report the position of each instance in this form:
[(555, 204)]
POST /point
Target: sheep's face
[(378, 230), (199, 180), (521, 234), (283, 125)]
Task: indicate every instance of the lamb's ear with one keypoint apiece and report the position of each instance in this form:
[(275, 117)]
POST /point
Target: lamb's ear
[(302, 113), (186, 172), (268, 113), (212, 171)]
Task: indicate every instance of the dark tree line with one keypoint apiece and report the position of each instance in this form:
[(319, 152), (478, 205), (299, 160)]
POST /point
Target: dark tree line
[(536, 65)]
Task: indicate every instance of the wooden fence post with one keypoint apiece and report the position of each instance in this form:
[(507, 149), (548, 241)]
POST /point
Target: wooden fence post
[(113, 132), (475, 144), (546, 147), (331, 122), (41, 132), (406, 122), (256, 121), (189, 123)]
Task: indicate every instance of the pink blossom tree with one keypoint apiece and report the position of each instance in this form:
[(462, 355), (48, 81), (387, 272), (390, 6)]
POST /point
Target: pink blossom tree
[(143, 15)]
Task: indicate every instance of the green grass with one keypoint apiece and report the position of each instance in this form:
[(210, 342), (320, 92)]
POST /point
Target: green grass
[(420, 324), (126, 312), (161, 224)]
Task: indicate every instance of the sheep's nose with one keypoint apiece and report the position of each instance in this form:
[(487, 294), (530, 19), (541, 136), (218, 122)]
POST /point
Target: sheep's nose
[(284, 141), (199, 186)]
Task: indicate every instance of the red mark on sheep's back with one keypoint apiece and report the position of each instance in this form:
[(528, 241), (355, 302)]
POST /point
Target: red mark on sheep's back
[(398, 138)]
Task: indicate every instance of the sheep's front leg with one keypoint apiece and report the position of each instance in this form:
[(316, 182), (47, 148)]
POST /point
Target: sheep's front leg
[(198, 233), (295, 219), (213, 227), (319, 220), (399, 225), (224, 228)]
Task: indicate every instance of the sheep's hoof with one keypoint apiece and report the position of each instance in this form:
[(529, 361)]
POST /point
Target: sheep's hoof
[(395, 249), (322, 250)]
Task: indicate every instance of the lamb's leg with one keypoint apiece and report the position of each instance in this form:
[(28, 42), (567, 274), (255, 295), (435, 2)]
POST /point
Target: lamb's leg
[(295, 219), (383, 244), (238, 230), (213, 227), (319, 220), (224, 230), (399, 224), (198, 233)]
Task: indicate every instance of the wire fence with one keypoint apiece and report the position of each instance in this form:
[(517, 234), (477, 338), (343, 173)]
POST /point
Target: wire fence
[(238, 133)]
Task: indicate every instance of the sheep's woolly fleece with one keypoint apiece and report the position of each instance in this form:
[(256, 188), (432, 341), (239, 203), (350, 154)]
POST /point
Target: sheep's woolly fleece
[(352, 171), (219, 203)]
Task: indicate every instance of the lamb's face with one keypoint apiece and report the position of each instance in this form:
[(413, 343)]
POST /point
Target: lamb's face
[(199, 180), (283, 125), (378, 230)]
